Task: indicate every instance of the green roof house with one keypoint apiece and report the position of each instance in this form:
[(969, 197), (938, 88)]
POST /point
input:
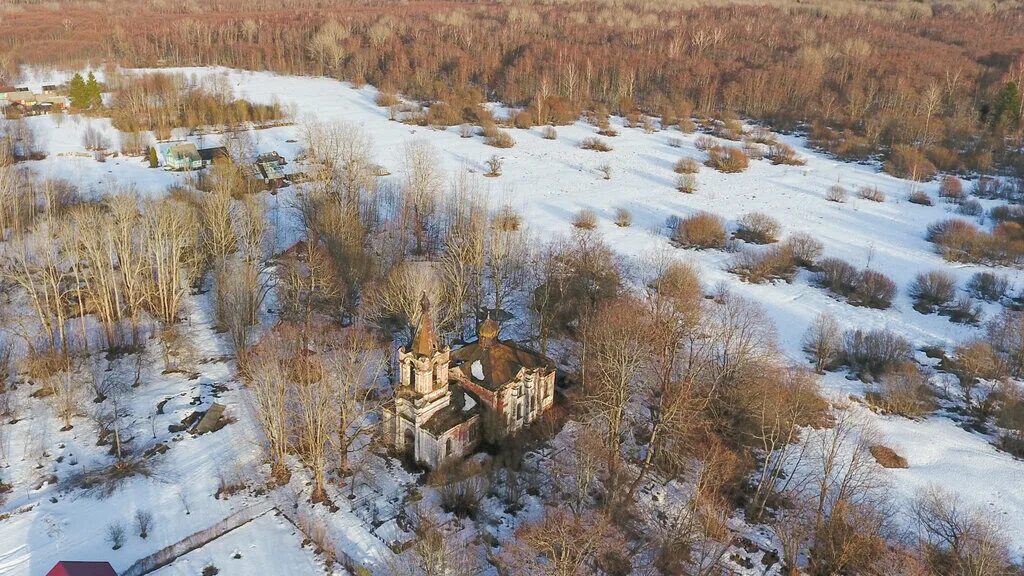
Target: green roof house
[(180, 156)]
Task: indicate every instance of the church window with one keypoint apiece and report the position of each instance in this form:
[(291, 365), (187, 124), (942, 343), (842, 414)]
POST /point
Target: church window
[(448, 447)]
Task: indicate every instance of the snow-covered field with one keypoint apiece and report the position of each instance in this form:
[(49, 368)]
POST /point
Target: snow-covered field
[(548, 182)]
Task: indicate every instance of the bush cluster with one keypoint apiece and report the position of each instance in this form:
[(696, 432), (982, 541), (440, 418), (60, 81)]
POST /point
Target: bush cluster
[(758, 228), (595, 143), (908, 162), (867, 288), (961, 241), (702, 230), (728, 159)]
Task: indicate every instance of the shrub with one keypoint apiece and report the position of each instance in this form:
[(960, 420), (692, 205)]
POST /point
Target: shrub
[(507, 220), (549, 133), (499, 138), (605, 170), (595, 143), (93, 139), (623, 218), (958, 240), (874, 290), (1010, 417), (705, 142), (727, 159), (686, 183), (970, 207), (932, 290), (887, 457), (979, 360), (988, 187), (951, 189), (838, 276), (115, 535), (133, 143), (805, 249), (1007, 213), (386, 98), (752, 150), (920, 197), (702, 230), (675, 142), (780, 153), (463, 497), (823, 342), (963, 311), (872, 193), (523, 119), (687, 166), (903, 390), (836, 193), (907, 162), (143, 522), (875, 352), (494, 164), (585, 219), (988, 286), (758, 228), (775, 263), (687, 125), (961, 241)]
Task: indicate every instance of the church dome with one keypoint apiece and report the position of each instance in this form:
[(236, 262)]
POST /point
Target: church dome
[(488, 331)]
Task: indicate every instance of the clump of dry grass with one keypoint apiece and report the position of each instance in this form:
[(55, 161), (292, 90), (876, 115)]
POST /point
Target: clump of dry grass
[(585, 219), (887, 457)]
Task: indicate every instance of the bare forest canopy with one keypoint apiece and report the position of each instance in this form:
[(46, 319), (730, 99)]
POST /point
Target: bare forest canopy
[(941, 77)]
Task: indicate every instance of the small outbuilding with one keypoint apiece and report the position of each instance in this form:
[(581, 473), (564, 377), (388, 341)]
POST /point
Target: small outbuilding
[(215, 154), (72, 568)]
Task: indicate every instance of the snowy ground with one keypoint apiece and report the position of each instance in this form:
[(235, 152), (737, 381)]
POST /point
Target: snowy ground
[(266, 541), (547, 181)]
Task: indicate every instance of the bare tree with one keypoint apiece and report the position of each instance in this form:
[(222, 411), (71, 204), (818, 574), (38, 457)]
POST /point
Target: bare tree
[(352, 370), (958, 540), (823, 341), (269, 390), (169, 239), (560, 544), (422, 183), (395, 303), (617, 355)]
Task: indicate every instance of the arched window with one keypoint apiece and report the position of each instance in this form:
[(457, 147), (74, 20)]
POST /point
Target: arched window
[(448, 447)]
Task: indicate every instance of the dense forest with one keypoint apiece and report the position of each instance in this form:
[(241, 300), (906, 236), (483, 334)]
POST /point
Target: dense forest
[(866, 79)]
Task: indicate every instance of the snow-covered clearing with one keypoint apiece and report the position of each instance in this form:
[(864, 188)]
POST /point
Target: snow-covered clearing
[(548, 182)]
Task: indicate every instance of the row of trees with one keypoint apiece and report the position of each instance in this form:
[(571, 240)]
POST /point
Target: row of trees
[(868, 82)]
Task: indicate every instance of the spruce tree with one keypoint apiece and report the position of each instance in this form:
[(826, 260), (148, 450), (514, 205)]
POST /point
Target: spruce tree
[(77, 92), (1007, 108), (93, 91)]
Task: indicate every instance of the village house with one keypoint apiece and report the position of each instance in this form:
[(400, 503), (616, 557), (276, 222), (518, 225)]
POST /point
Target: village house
[(269, 168), (78, 568), (179, 156), (447, 401)]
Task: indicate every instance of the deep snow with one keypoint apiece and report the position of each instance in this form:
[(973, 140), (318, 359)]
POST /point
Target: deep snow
[(547, 181)]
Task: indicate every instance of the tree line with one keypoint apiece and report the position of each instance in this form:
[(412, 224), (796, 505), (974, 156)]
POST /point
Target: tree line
[(941, 80)]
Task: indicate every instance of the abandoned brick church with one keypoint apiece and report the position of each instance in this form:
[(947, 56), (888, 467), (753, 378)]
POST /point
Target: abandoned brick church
[(447, 400)]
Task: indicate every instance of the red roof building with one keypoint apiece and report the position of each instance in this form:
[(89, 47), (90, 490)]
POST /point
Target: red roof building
[(65, 568)]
